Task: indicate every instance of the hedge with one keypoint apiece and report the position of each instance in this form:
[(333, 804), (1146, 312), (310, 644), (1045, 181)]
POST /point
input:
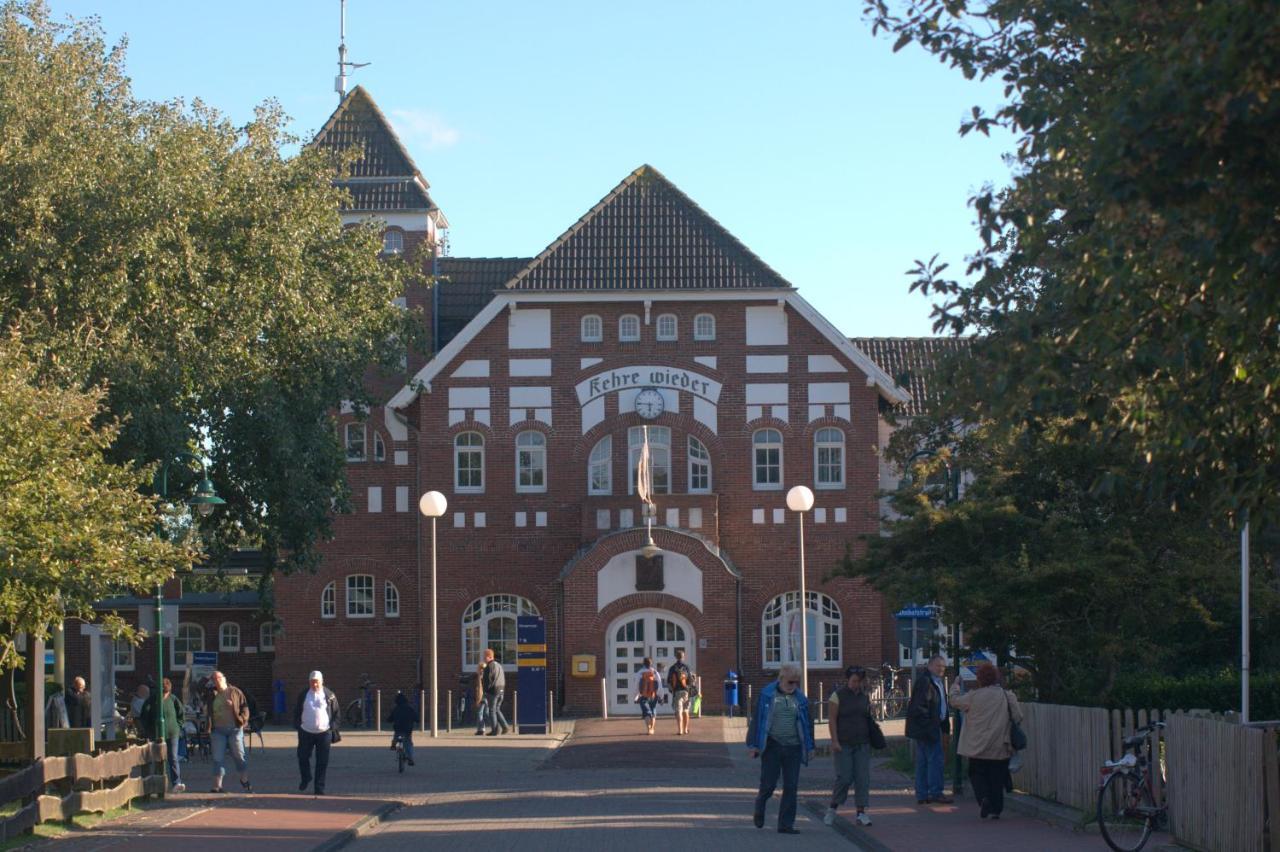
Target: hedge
[(1217, 691)]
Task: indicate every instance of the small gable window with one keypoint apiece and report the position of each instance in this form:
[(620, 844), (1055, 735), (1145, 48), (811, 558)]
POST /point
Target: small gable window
[(392, 242), (628, 328), (592, 329), (704, 327), (668, 327)]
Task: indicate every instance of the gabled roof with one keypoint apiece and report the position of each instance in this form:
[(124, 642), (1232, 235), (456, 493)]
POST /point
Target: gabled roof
[(646, 235), (385, 178), (910, 361), (463, 286)]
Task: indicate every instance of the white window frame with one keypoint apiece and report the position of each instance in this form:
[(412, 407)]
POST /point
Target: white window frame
[(535, 453), (623, 322), (267, 636), (177, 660), (659, 456), (476, 620), (825, 444), (123, 653), (700, 330), (392, 242), (695, 445), (458, 451), (347, 433), (591, 329), (601, 459), (379, 447), (824, 624), (758, 445), (329, 600), (669, 334), (390, 600), (223, 645), (359, 585)]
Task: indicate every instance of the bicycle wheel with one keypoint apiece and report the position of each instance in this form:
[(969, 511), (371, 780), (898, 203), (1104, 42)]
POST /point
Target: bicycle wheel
[(354, 714), (1124, 812), (401, 757)]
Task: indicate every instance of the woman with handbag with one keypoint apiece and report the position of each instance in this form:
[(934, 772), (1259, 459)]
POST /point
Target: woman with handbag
[(991, 714), (853, 734)]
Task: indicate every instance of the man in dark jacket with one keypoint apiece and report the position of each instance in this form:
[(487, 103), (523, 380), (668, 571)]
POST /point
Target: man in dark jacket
[(494, 680), (78, 704), (402, 719), (926, 723), (174, 716), (315, 717)]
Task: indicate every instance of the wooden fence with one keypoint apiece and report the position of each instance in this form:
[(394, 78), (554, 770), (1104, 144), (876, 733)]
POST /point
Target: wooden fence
[(28, 786)]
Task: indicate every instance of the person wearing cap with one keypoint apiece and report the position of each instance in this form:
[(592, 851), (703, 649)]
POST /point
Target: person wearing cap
[(849, 723), (315, 717)]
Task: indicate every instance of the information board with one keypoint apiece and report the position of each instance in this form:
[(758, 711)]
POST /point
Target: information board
[(531, 657)]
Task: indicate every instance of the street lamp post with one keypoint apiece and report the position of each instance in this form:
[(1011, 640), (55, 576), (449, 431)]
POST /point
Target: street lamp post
[(432, 505), (800, 500)]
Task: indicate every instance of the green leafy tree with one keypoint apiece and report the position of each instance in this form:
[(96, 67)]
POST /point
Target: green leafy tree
[(1127, 278), (193, 271), (74, 527)]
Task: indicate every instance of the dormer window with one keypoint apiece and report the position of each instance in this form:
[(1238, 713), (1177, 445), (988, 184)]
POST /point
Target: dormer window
[(628, 328), (592, 329), (667, 327)]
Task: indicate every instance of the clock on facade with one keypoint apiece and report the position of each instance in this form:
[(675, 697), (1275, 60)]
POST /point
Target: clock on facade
[(649, 403)]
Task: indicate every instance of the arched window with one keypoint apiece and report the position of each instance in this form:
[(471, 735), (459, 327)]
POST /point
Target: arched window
[(379, 448), (188, 639), (391, 600), (360, 596), (229, 636), (468, 462), (781, 630), (828, 458), (592, 329), (659, 457), (329, 601), (668, 327), (267, 636), (355, 442), (600, 467), (531, 462), (699, 467), (766, 449), (392, 242), (490, 622), (704, 327), (628, 328)]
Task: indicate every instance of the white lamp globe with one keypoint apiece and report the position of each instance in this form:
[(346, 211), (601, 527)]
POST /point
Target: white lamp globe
[(800, 499), (432, 504)]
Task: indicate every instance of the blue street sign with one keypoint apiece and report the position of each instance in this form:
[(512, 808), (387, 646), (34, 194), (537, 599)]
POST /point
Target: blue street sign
[(914, 612), (531, 659)]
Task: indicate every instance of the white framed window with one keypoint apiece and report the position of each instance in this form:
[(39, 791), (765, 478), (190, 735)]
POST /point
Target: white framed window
[(668, 327), (592, 329), (355, 442), (329, 601), (392, 241), (531, 462), (699, 467), (391, 600), (628, 328), (267, 636), (188, 638), (828, 458), (659, 457), (360, 596), (123, 652), (766, 460), (600, 467), (780, 629), (229, 636), (379, 448), (490, 622), (468, 462), (704, 327)]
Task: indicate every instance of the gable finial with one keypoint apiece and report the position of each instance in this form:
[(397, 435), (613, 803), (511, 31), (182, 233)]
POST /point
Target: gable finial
[(340, 83)]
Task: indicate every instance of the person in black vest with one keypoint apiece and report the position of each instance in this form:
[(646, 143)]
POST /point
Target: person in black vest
[(849, 722), (315, 716), (926, 723)]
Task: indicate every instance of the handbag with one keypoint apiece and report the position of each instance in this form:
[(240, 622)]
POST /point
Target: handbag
[(1017, 737), (875, 736), (334, 736)]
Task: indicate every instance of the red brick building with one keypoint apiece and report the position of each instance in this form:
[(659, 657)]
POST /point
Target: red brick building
[(646, 314)]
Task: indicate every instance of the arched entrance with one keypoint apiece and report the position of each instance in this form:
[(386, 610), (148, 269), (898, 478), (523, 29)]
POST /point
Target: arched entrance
[(635, 635)]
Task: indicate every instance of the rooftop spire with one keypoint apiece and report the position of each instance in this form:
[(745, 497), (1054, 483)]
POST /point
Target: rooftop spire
[(340, 83)]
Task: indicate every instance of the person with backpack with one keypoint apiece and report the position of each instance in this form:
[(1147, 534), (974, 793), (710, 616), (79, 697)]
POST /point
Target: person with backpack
[(402, 718), (647, 686), (680, 681)]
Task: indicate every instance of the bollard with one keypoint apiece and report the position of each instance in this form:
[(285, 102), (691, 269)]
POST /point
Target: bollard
[(551, 710), (422, 708), (748, 695), (604, 698), (448, 713), (821, 709), (377, 710)]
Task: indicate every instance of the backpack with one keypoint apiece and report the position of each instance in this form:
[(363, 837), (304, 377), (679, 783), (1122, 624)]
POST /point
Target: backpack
[(649, 684), (680, 678)]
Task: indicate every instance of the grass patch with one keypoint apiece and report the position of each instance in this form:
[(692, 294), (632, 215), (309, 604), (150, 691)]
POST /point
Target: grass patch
[(901, 760), (52, 830)]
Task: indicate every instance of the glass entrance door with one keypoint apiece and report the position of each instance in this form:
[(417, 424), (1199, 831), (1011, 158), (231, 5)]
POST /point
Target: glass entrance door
[(649, 633)]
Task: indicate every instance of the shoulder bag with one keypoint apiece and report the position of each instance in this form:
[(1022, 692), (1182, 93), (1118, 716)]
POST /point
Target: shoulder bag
[(1017, 737)]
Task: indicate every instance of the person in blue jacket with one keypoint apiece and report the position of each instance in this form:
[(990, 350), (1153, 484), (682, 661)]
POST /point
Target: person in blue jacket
[(780, 733)]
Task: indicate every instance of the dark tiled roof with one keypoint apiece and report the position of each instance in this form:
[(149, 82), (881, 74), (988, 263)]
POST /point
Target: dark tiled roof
[(246, 599), (464, 285), (910, 361), (385, 178), (646, 235)]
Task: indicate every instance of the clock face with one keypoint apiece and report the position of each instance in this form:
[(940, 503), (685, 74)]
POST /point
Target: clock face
[(649, 403)]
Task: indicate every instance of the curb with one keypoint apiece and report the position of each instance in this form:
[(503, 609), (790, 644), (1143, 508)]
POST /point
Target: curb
[(847, 829), (362, 826), (1053, 813)]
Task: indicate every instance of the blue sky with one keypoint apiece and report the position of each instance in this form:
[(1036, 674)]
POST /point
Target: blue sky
[(834, 159)]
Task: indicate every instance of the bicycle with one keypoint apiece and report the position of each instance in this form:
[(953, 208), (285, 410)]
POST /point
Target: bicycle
[(1127, 812), (360, 711), (402, 757)]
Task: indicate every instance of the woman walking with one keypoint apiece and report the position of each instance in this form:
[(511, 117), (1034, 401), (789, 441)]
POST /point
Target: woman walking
[(988, 711), (849, 724)]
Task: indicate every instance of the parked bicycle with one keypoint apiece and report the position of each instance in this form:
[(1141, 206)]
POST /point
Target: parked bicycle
[(359, 713), (1127, 810)]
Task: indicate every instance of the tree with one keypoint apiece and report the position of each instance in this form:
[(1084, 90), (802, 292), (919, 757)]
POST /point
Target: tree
[(1127, 278), (194, 272), (74, 527)]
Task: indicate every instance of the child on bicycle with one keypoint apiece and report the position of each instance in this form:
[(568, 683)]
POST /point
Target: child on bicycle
[(402, 719)]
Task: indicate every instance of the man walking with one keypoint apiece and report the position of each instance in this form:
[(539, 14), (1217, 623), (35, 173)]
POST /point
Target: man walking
[(315, 717), (174, 716), (780, 733), (647, 681), (926, 723), (229, 713), (495, 684), (680, 682), (78, 701), (850, 728)]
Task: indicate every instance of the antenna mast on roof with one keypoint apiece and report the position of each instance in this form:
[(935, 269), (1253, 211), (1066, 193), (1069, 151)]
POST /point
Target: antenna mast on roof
[(340, 83)]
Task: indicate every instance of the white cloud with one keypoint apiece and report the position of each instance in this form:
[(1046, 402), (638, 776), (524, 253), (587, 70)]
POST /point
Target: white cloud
[(425, 128)]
